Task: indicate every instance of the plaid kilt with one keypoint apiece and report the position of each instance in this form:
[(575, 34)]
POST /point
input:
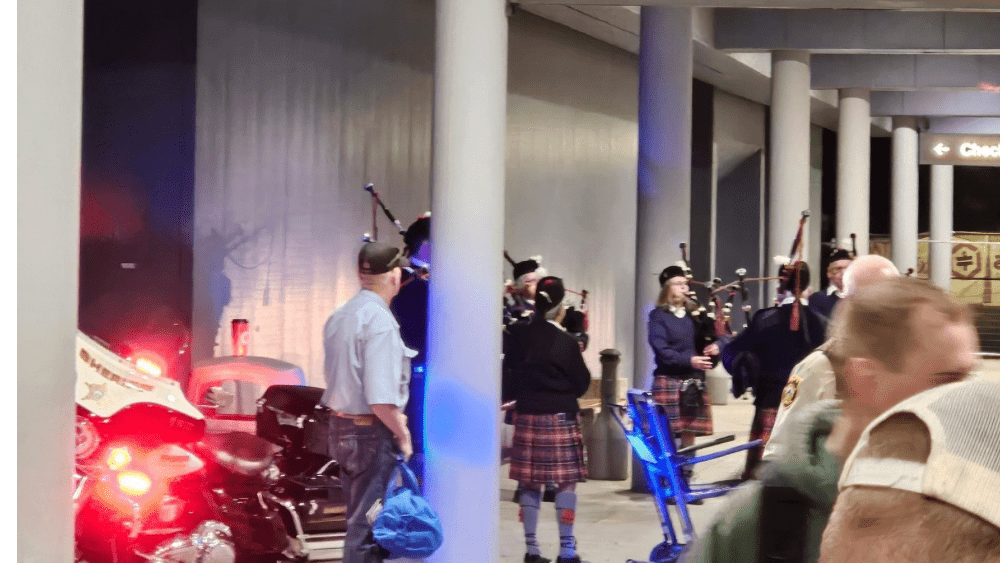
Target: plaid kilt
[(548, 448), (666, 392), (760, 429)]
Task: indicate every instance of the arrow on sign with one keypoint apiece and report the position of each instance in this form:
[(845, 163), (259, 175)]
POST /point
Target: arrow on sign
[(941, 149)]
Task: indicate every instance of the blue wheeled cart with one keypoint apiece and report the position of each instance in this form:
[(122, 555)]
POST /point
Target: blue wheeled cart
[(648, 431)]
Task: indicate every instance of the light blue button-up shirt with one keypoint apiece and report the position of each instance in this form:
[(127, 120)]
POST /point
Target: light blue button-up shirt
[(366, 362)]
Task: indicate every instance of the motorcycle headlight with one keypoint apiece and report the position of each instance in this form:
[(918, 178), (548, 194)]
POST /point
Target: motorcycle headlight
[(118, 458), (134, 483)]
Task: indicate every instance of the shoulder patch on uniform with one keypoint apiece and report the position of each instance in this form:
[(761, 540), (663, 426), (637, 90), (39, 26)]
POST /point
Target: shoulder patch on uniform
[(791, 391)]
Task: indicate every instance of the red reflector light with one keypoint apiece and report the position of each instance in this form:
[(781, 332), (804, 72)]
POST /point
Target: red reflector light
[(170, 509), (133, 483)]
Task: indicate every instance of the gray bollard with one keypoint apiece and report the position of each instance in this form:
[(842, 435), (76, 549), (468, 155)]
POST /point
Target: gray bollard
[(609, 451), (718, 383)]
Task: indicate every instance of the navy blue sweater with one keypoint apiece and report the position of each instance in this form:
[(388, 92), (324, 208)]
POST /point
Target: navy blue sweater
[(776, 348), (410, 308), (543, 369), (672, 340)]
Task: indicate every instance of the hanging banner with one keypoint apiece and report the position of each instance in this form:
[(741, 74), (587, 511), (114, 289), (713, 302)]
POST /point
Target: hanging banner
[(975, 265)]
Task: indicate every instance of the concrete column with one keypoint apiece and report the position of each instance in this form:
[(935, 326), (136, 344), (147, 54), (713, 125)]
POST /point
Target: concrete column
[(664, 200), (854, 167), (790, 111), (814, 250), (666, 67), (905, 178), (462, 434), (942, 215), (49, 87)]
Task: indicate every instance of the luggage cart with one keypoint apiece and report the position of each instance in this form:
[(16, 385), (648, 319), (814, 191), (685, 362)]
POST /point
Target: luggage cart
[(648, 430)]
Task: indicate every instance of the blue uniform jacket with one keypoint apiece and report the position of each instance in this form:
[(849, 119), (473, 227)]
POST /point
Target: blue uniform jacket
[(776, 348), (823, 304)]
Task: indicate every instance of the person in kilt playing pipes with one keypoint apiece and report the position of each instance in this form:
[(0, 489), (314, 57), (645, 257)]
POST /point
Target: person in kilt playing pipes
[(546, 375), (671, 332), (776, 340)]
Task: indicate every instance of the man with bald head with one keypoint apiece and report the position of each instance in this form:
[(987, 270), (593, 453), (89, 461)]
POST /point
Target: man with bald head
[(812, 379)]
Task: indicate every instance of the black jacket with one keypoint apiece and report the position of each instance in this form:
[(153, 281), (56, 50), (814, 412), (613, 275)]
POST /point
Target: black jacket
[(776, 348), (543, 369)]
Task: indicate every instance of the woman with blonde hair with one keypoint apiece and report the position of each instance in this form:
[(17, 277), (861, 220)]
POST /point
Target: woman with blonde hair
[(671, 332)]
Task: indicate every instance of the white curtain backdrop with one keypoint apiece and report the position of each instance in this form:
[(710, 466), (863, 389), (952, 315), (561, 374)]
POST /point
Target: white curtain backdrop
[(302, 102)]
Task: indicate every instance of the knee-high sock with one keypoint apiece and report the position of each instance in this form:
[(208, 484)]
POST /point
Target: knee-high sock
[(565, 515), (531, 501)]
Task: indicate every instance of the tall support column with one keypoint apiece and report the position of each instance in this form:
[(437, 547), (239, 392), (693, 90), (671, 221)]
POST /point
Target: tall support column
[(905, 177), (854, 167), (666, 67), (790, 110), (50, 73), (942, 215), (462, 435)]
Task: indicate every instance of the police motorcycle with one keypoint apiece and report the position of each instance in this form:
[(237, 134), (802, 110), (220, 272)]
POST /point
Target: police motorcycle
[(150, 484)]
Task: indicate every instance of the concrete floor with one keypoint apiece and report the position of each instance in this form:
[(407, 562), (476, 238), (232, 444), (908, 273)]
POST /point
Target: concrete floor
[(614, 524)]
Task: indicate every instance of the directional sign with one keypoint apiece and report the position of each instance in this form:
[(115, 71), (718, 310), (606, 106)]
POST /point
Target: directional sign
[(971, 150)]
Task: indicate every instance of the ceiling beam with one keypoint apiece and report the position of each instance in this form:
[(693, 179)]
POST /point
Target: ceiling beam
[(904, 72), (857, 31), (936, 104), (746, 75), (938, 5), (965, 125)]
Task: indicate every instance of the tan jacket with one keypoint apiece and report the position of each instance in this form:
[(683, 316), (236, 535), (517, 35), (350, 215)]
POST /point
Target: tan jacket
[(811, 380)]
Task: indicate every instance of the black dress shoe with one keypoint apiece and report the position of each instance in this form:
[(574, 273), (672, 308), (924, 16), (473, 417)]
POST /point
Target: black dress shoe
[(532, 558), (574, 559)]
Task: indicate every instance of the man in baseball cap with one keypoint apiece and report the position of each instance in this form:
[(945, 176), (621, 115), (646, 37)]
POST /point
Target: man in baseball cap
[(367, 370), (923, 483), (889, 341), (379, 258)]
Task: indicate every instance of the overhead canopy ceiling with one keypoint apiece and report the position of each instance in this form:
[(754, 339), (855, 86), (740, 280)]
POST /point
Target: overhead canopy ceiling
[(971, 5), (919, 58)]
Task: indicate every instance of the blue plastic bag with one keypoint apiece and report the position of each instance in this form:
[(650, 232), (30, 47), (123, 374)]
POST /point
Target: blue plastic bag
[(407, 526)]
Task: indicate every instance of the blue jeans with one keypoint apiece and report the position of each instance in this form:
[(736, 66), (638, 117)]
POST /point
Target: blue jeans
[(367, 456)]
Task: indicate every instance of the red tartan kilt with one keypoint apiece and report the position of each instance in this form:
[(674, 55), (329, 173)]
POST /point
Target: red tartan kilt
[(763, 423), (548, 448), (666, 392)]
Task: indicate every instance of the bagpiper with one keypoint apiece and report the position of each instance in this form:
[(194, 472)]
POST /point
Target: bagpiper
[(776, 339)]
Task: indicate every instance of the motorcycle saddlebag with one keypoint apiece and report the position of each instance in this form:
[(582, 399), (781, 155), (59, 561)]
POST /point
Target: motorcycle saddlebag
[(316, 432), (319, 501)]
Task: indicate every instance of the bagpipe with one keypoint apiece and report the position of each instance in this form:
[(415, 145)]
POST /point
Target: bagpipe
[(792, 267), (418, 231), (576, 321), (714, 318), (834, 247), (376, 204)]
